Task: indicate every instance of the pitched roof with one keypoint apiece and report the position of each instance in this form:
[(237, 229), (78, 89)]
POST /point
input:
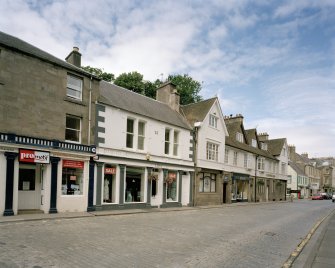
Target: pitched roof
[(275, 146), (196, 112), (127, 100), (19, 45), (296, 168), (232, 128)]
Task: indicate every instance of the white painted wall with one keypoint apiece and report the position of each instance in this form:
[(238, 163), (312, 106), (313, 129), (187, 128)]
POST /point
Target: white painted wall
[(207, 133)]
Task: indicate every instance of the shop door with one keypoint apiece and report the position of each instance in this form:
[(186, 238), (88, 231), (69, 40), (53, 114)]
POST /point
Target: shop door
[(29, 192), (224, 192)]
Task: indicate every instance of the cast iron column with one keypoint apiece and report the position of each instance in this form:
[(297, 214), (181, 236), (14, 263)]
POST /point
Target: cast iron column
[(54, 174), (121, 197), (149, 170), (99, 186), (90, 206), (9, 183)]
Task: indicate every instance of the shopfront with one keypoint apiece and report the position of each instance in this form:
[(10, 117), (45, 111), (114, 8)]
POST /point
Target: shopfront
[(240, 187)]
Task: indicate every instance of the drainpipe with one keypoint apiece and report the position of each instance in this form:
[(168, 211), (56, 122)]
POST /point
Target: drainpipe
[(89, 114), (256, 158), (195, 138)]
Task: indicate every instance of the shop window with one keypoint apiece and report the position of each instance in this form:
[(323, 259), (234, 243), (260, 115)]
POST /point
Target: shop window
[(207, 183), (134, 185), (27, 179), (109, 184), (74, 87), (73, 129), (72, 177), (171, 186)]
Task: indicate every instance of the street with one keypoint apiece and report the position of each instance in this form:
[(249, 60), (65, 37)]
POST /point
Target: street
[(251, 235)]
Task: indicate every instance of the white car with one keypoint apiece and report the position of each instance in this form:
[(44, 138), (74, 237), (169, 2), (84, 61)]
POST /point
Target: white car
[(333, 197)]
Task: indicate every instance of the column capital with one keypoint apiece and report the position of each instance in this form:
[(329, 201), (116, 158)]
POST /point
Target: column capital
[(10, 155), (100, 164), (54, 160)]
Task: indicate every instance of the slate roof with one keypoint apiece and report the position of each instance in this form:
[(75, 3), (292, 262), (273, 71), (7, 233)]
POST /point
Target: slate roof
[(251, 134), (19, 45), (232, 128), (127, 100), (296, 168), (196, 112), (275, 146)]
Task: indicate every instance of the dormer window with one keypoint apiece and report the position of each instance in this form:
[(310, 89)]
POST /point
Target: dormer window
[(254, 143), (239, 137), (213, 121), (264, 146)]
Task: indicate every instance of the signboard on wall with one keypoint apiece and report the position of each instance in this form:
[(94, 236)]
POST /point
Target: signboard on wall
[(73, 164), (32, 156), (110, 170)]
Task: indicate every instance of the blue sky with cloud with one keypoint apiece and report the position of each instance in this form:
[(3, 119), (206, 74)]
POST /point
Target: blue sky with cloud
[(272, 61)]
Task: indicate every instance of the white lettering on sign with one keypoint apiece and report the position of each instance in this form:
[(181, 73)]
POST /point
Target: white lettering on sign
[(31, 156)]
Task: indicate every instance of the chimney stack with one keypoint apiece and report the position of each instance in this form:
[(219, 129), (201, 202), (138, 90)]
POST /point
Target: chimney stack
[(167, 93), (263, 136), (231, 118), (74, 57)]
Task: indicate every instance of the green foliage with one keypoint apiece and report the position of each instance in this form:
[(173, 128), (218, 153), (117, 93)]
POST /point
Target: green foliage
[(109, 77), (132, 81), (150, 88), (187, 87)]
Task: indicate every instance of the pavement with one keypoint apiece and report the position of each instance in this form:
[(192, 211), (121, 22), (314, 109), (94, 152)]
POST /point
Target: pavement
[(319, 253)]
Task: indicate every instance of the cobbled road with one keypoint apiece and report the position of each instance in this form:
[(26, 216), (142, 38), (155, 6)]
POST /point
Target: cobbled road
[(253, 235)]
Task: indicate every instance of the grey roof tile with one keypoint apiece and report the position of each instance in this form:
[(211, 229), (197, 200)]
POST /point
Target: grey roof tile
[(125, 99)]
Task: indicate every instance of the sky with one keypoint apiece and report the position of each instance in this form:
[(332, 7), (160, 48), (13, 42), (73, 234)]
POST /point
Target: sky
[(271, 61)]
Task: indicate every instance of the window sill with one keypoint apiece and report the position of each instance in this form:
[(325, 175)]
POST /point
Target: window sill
[(79, 102)]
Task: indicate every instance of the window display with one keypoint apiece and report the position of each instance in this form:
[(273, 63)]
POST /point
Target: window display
[(134, 185), (171, 186), (109, 184), (207, 183), (72, 177)]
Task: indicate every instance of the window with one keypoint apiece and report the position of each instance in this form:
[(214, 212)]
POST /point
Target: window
[(109, 184), (239, 137), (235, 159), (283, 168), (130, 133), (73, 129), (253, 143), (27, 178), (167, 141), (74, 87), (245, 160), (213, 121), (134, 185), (207, 183), (226, 155), (175, 142), (212, 151), (260, 163), (141, 135), (264, 146), (72, 177), (171, 186)]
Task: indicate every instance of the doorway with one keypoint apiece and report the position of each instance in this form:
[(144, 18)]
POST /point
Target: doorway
[(29, 187), (224, 193)]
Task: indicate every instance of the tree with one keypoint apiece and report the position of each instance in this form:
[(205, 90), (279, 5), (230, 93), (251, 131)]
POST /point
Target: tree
[(109, 77), (187, 87), (132, 81), (150, 88)]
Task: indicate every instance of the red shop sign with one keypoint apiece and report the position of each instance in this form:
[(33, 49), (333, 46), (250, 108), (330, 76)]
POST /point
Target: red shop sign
[(73, 164), (172, 176), (109, 170), (31, 156)]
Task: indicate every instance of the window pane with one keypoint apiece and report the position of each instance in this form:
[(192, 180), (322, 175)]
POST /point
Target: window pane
[(73, 123), (74, 93), (129, 141), (213, 181), (207, 184), (74, 87), (140, 143), (72, 135), (72, 181), (130, 126), (141, 128), (167, 134)]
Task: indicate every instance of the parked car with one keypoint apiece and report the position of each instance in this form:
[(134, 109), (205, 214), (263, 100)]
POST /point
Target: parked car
[(317, 197), (326, 196), (333, 197)]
